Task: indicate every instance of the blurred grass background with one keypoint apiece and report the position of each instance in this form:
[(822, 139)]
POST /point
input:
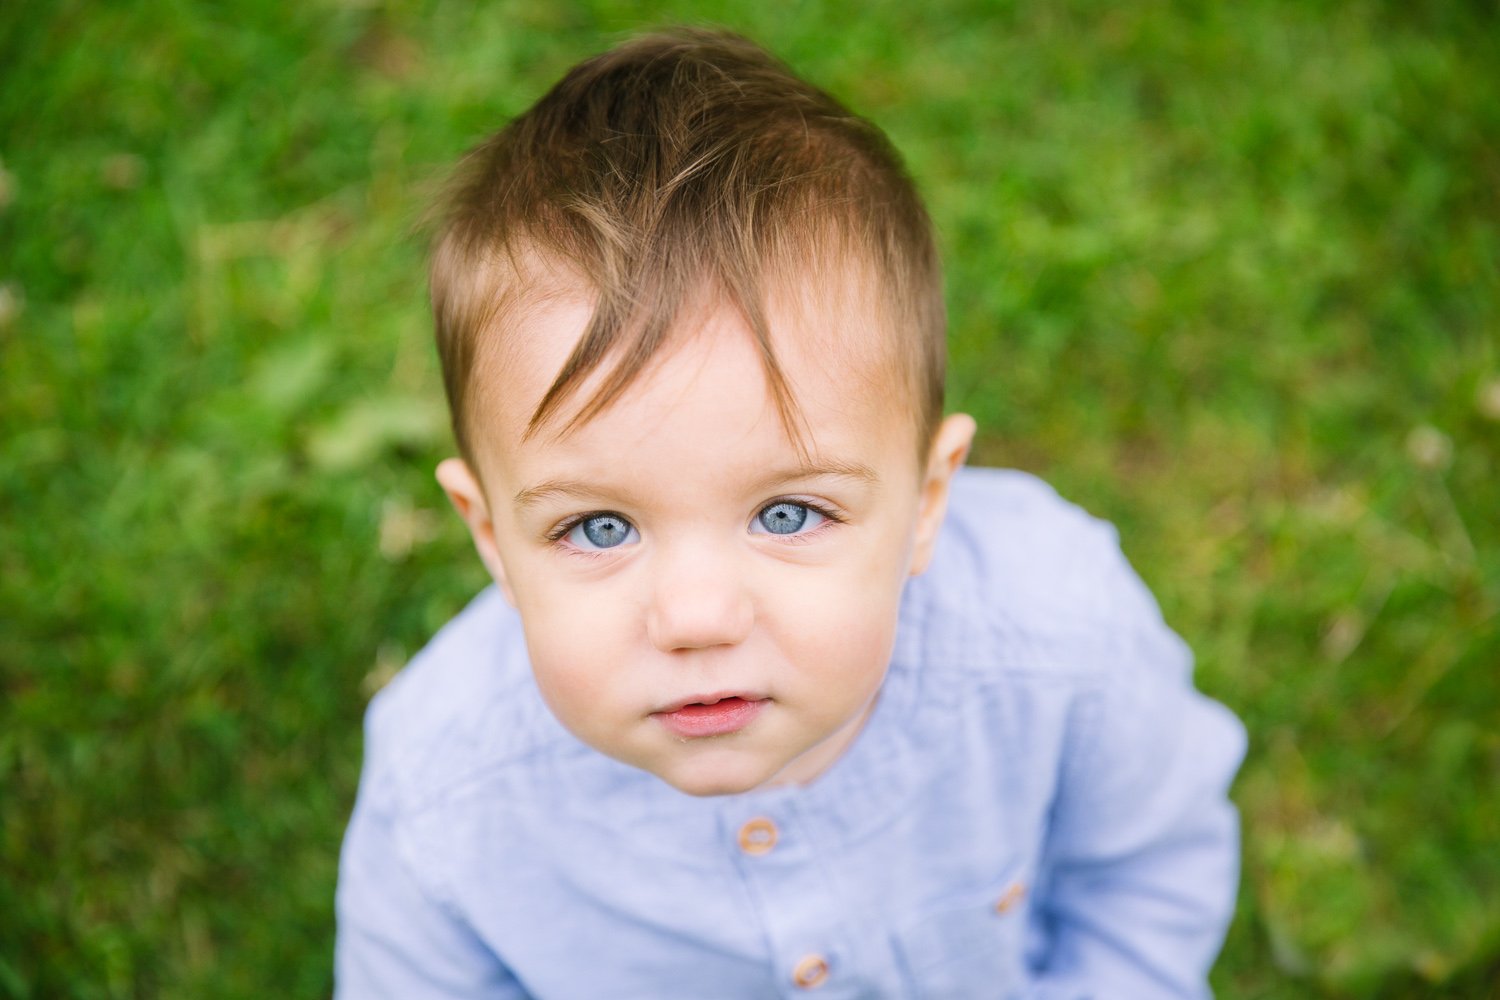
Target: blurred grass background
[(1227, 274)]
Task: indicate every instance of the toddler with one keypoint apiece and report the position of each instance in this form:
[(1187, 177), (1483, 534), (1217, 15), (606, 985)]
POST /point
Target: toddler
[(771, 695)]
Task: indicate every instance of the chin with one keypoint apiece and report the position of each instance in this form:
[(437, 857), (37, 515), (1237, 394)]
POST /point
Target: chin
[(705, 779)]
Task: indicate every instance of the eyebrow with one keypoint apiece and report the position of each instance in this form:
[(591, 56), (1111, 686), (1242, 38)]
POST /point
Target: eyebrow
[(554, 489), (573, 489), (820, 470)]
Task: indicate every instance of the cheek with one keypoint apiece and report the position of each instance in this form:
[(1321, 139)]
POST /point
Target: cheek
[(577, 639), (841, 626)]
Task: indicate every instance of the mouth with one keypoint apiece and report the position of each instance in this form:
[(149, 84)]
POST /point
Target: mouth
[(711, 715)]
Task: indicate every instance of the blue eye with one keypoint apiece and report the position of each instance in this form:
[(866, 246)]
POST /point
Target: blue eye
[(601, 531), (786, 518)]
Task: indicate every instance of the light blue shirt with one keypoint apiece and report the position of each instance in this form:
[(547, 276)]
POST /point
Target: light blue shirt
[(1036, 808)]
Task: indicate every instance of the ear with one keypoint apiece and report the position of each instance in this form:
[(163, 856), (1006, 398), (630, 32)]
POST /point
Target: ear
[(950, 446), (467, 497)]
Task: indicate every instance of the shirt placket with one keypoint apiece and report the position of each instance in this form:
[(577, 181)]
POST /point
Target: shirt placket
[(786, 878)]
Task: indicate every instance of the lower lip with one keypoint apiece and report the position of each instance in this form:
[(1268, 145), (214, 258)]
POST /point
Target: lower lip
[(722, 717)]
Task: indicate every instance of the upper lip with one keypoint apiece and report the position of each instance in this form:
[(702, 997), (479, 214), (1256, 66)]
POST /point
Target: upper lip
[(710, 699)]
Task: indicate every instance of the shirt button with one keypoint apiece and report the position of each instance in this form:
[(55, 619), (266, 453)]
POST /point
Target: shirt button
[(811, 972), (758, 836)]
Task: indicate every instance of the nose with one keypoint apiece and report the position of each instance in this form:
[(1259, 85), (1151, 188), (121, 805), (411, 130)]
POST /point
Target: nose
[(699, 599)]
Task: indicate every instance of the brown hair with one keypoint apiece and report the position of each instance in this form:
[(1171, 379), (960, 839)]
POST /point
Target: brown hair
[(678, 162)]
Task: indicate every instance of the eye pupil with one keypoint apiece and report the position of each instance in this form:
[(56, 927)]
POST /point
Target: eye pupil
[(606, 530), (783, 518)]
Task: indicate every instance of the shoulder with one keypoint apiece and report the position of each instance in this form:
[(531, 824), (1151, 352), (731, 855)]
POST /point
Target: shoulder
[(1011, 530), (1027, 580), (465, 704), (1001, 513)]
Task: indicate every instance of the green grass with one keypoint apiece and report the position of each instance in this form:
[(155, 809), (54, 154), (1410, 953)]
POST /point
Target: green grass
[(1228, 274)]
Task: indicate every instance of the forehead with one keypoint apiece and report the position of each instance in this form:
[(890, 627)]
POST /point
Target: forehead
[(830, 337)]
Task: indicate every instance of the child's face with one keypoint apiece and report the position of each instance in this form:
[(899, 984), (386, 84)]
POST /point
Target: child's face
[(697, 602)]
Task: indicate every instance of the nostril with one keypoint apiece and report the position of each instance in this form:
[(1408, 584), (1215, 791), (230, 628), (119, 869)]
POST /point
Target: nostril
[(699, 621)]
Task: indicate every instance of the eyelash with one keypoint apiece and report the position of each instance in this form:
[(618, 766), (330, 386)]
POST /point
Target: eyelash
[(829, 515), (561, 530)]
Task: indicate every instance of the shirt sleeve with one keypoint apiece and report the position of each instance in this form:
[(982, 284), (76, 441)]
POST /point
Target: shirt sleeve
[(395, 937), (1143, 858)]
